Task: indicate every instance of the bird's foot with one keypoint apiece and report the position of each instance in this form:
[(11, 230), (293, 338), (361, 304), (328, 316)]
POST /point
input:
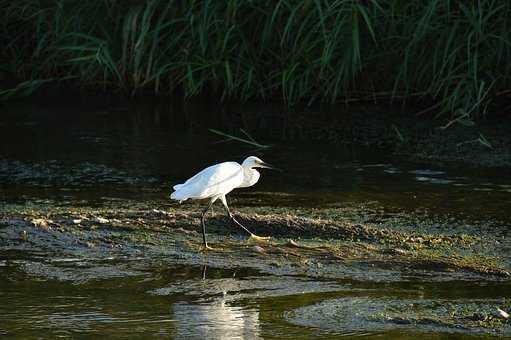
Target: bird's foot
[(205, 248), (256, 238)]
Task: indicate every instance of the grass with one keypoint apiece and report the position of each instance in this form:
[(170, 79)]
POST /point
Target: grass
[(249, 140), (452, 54)]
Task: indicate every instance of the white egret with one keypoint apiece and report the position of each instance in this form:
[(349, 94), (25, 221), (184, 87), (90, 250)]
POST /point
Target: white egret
[(218, 180)]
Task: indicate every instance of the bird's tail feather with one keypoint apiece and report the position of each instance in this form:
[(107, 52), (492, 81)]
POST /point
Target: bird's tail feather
[(178, 196)]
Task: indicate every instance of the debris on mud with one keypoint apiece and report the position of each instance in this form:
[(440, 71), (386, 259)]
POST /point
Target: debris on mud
[(332, 242)]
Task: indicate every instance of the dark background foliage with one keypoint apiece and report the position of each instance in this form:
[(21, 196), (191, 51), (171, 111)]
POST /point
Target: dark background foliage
[(454, 54)]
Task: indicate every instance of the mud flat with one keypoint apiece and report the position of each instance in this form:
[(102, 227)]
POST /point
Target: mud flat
[(360, 243)]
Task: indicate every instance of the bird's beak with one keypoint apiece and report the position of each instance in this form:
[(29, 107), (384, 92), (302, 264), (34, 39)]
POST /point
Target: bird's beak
[(268, 166)]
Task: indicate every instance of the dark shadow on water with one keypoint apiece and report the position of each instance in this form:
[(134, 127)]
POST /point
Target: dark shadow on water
[(138, 150)]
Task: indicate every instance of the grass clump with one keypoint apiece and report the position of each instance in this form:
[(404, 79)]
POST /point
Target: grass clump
[(451, 53)]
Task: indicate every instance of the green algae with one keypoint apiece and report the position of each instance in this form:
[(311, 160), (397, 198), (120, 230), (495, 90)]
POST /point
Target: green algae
[(420, 315), (320, 242)]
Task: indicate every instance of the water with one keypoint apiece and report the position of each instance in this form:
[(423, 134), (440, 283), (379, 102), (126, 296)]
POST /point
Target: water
[(89, 153), (89, 156), (197, 302)]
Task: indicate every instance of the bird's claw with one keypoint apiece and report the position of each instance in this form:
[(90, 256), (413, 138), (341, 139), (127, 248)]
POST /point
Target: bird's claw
[(205, 248), (256, 238)]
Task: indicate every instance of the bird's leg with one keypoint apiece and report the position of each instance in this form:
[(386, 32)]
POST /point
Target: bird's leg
[(231, 217), (204, 268), (206, 247)]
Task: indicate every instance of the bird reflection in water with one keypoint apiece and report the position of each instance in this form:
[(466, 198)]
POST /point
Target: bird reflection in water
[(215, 319)]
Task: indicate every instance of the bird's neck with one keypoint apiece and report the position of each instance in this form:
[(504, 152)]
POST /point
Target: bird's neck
[(251, 176)]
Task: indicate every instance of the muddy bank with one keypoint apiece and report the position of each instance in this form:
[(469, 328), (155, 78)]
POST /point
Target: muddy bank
[(360, 243)]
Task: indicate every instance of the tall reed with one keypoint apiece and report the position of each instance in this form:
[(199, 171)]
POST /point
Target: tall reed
[(452, 52)]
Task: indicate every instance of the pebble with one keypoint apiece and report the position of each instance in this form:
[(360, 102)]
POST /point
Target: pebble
[(101, 220), (502, 313), (292, 243), (258, 249), (41, 223), (23, 235)]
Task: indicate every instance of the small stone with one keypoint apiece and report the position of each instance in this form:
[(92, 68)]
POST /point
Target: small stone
[(41, 223), (161, 212), (101, 220), (292, 243), (502, 313), (77, 221), (23, 235), (395, 251), (259, 250)]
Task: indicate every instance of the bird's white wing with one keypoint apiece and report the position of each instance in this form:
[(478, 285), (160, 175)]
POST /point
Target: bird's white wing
[(196, 177), (215, 180)]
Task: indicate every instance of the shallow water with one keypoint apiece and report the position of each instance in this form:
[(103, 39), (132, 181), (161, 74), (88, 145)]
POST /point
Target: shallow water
[(90, 156), (155, 298)]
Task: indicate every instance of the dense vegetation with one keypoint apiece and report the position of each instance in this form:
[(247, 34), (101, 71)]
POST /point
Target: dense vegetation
[(452, 53)]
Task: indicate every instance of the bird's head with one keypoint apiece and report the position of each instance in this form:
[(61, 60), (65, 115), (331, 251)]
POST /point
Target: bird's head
[(256, 162)]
